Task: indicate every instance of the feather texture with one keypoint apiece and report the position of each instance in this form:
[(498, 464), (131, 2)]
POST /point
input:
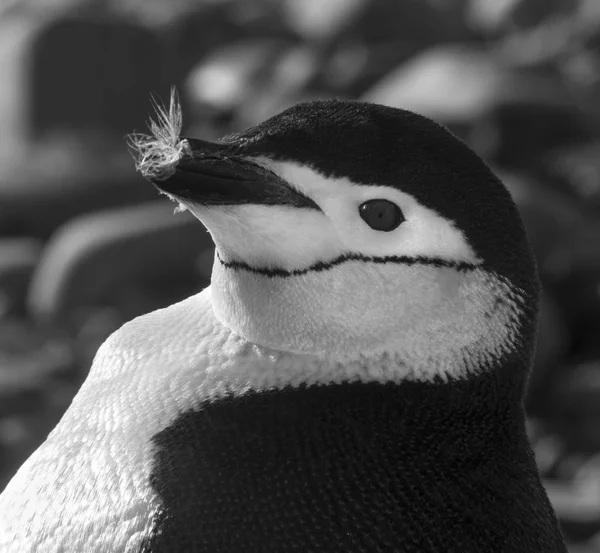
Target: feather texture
[(157, 154)]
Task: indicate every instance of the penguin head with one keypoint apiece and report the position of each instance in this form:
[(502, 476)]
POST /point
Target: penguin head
[(354, 230)]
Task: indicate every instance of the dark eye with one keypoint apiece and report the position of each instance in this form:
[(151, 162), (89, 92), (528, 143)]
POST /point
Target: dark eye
[(381, 215)]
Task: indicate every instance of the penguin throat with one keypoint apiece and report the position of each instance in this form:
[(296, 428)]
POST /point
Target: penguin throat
[(421, 320)]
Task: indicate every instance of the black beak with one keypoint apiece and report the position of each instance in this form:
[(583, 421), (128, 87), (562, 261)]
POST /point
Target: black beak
[(210, 173)]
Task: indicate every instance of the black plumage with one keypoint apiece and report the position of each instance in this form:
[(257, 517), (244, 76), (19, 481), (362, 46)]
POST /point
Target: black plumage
[(361, 468)]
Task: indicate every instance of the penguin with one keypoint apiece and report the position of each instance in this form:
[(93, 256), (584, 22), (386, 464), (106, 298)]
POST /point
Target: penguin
[(351, 381)]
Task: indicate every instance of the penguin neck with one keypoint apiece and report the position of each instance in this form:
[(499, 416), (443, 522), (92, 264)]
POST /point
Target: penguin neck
[(494, 388), (419, 320), (489, 381)]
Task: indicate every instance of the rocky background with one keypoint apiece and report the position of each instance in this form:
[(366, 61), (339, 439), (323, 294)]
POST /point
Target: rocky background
[(85, 243)]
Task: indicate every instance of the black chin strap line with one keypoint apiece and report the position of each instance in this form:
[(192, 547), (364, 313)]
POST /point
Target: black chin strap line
[(321, 266)]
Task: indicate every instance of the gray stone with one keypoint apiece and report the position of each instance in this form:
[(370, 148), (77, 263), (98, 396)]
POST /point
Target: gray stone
[(73, 86), (78, 73)]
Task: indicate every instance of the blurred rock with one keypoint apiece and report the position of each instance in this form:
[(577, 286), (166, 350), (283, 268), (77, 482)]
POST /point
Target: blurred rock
[(552, 347), (577, 172), (564, 237), (579, 294), (73, 88), (511, 118), (29, 356), (498, 15), (489, 15), (549, 448), (134, 259), (248, 82), (225, 78), (52, 182), (519, 132), (528, 13), (577, 502), (590, 546), (37, 382), (18, 259), (393, 32), (287, 83), (159, 13), (209, 27), (577, 408), (458, 85), (77, 73), (316, 20), (448, 84)]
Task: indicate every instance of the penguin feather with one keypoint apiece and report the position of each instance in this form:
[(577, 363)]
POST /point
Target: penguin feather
[(157, 154)]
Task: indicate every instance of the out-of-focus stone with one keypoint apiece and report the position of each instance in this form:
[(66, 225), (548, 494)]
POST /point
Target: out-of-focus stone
[(285, 84), (315, 19), (512, 118), (73, 86), (76, 73), (225, 78), (393, 33), (579, 294), (532, 12), (577, 501), (29, 355), (564, 238), (552, 346), (211, 26), (452, 84), (521, 132), (18, 259), (577, 408), (577, 170), (492, 15), (51, 183), (131, 258)]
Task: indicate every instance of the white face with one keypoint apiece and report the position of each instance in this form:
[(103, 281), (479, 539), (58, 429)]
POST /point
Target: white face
[(431, 319), (290, 238)]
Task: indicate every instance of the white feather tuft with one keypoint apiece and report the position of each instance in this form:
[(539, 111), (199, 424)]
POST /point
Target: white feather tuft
[(156, 155)]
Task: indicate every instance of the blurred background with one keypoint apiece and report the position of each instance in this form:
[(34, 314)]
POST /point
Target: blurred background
[(85, 243)]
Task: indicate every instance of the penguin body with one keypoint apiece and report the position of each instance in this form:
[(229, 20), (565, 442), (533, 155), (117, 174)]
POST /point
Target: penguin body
[(352, 379)]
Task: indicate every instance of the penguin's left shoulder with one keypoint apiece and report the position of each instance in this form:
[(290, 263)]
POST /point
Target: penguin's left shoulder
[(87, 487)]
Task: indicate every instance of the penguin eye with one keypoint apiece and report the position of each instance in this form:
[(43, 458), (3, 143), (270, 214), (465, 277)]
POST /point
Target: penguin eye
[(381, 215)]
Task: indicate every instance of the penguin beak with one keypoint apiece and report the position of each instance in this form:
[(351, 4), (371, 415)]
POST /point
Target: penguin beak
[(210, 174)]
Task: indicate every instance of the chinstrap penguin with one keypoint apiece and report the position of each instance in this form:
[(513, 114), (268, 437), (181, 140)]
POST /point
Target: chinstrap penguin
[(351, 381)]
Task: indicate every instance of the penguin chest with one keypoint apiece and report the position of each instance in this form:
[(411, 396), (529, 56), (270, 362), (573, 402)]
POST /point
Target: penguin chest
[(81, 492), (88, 487)]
